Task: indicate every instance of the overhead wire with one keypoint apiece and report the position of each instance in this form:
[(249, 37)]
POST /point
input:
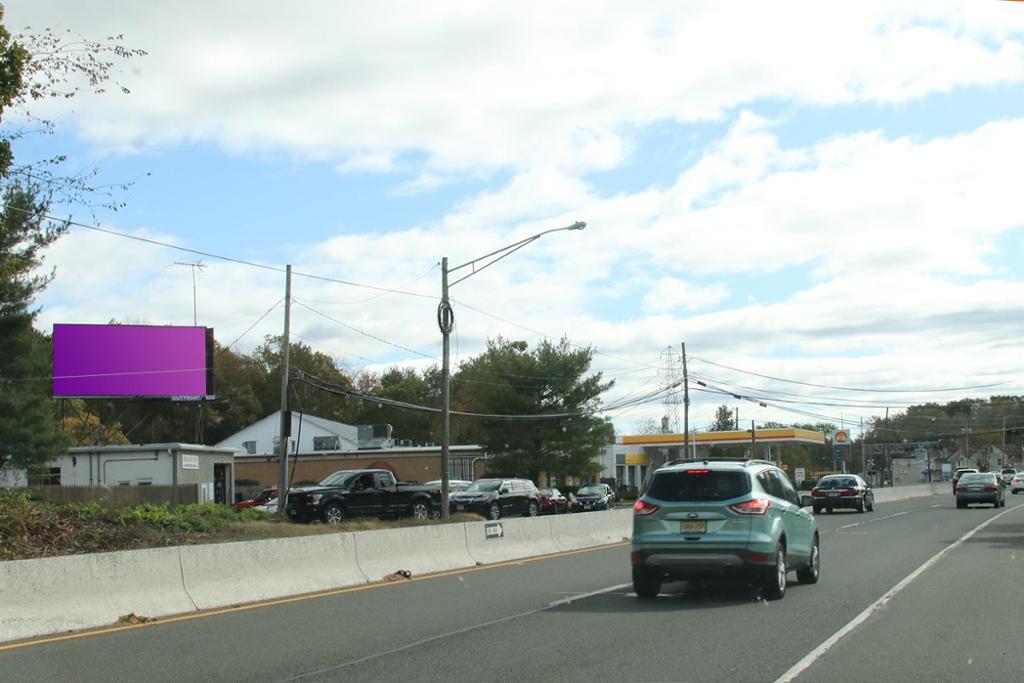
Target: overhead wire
[(220, 257), (840, 388)]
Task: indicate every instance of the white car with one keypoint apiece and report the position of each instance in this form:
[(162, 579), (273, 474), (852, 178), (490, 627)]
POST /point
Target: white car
[(1007, 474), (270, 507), (1017, 483)]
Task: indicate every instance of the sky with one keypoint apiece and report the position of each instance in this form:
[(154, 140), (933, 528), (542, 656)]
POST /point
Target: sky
[(803, 193)]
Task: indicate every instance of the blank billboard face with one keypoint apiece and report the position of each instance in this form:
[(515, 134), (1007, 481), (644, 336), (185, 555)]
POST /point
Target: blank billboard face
[(132, 360)]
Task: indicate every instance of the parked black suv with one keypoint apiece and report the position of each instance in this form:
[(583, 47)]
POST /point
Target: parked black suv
[(496, 498)]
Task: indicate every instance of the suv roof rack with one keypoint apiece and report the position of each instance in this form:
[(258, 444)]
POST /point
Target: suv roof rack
[(746, 462)]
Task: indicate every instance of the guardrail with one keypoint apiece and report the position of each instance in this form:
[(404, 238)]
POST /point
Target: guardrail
[(49, 595)]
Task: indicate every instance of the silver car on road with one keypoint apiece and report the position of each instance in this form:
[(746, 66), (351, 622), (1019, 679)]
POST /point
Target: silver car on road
[(980, 487)]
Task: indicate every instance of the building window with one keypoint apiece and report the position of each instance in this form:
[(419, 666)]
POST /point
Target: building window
[(250, 447), (326, 443), (44, 476), (144, 482)]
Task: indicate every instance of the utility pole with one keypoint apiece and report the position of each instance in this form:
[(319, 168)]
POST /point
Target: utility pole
[(753, 441), (446, 322), (885, 450), (194, 265), (286, 416), (863, 459), (686, 408), (737, 418)]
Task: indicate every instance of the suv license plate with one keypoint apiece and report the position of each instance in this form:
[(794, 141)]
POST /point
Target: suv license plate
[(694, 526)]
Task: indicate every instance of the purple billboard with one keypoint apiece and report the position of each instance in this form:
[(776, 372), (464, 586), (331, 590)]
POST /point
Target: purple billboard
[(132, 360)]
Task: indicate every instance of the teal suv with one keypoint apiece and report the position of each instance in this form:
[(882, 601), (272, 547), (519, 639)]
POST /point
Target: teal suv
[(707, 518)]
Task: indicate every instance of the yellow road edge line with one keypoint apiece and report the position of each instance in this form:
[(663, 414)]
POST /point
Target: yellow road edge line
[(157, 621)]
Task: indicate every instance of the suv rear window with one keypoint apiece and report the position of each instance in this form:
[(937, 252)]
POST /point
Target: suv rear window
[(699, 485)]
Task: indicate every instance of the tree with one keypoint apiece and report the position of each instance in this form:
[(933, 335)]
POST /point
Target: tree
[(28, 429), (510, 379), (409, 386), (724, 419), (648, 426)]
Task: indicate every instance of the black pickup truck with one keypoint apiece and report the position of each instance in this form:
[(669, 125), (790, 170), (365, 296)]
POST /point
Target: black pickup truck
[(350, 493)]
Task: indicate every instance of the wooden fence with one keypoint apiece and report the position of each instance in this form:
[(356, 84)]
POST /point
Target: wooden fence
[(118, 496)]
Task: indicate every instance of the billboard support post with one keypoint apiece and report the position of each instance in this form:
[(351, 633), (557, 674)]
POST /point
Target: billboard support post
[(286, 416)]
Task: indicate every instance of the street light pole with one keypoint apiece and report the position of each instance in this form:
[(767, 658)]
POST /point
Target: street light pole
[(446, 322)]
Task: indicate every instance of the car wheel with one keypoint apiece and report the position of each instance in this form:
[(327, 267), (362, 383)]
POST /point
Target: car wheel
[(860, 506), (960, 505), (420, 510), (532, 510), (645, 585), (494, 512), (333, 514), (810, 573), (774, 581), (817, 511)]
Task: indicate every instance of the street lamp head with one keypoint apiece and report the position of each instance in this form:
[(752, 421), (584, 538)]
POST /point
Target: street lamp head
[(578, 225)]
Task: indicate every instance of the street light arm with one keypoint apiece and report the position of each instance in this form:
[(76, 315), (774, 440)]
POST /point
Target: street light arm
[(507, 251)]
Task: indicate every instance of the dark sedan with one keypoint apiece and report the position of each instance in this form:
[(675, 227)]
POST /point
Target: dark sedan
[(553, 502), (594, 497), (842, 491), (980, 487)]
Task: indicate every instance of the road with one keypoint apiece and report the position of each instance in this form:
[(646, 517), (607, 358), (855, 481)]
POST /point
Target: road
[(573, 618)]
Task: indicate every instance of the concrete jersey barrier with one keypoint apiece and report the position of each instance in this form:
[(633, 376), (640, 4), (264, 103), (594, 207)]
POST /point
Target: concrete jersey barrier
[(55, 594), (233, 573), (420, 550), (575, 532), (50, 595)]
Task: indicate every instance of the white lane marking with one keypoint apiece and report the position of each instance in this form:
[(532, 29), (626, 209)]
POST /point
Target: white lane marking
[(460, 631), (937, 506), (870, 521), (583, 596), (818, 652)]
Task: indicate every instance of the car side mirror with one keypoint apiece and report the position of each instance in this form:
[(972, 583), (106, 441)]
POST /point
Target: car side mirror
[(503, 490)]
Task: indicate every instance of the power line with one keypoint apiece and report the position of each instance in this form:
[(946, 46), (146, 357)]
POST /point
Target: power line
[(829, 386), (362, 332), (221, 257), (249, 329)]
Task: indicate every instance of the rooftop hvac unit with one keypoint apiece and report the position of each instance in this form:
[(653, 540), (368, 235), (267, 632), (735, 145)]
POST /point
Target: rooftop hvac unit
[(374, 436)]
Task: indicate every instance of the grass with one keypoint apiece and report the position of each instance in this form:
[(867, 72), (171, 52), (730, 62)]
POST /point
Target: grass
[(32, 528)]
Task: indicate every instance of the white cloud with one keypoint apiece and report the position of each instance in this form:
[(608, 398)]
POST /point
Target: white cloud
[(670, 294), (379, 162), (499, 85)]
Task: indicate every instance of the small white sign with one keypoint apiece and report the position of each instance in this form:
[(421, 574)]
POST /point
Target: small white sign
[(801, 474), (493, 530), (189, 462)]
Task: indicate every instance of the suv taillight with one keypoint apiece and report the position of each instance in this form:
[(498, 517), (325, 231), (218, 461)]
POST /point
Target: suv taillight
[(757, 506), (642, 507)]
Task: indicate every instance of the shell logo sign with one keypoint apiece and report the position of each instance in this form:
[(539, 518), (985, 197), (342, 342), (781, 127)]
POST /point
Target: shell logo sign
[(841, 437)]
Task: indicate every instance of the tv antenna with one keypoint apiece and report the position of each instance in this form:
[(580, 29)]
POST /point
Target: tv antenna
[(194, 265)]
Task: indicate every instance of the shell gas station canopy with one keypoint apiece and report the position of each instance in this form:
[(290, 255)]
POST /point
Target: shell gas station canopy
[(785, 435)]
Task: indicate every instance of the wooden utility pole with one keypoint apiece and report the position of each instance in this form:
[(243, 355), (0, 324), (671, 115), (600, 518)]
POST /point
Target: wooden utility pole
[(286, 417), (686, 407)]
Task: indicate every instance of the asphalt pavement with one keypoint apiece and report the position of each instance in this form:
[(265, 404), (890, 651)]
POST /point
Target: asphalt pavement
[(574, 618)]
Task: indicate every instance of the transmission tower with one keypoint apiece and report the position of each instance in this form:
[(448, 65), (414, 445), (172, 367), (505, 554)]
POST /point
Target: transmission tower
[(671, 373)]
